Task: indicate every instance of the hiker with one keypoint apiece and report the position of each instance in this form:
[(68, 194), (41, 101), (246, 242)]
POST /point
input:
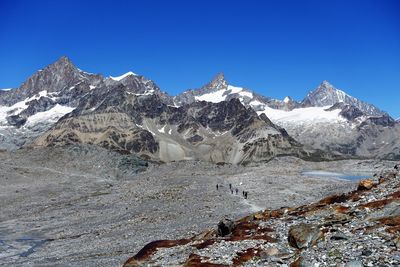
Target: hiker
[(230, 186), (217, 187), (245, 195), (231, 191), (237, 190)]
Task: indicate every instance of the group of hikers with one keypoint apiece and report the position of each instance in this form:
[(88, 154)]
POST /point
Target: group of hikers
[(244, 193)]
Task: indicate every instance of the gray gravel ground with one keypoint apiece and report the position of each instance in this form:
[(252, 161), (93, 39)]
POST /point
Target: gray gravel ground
[(87, 207)]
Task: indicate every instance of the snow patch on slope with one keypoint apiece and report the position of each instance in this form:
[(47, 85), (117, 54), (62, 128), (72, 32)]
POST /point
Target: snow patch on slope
[(303, 115), (51, 115), (119, 78), (214, 97), (221, 95)]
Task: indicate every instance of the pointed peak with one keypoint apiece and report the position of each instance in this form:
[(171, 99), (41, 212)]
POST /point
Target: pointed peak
[(219, 77), (64, 60), (218, 82), (287, 99), (326, 84)]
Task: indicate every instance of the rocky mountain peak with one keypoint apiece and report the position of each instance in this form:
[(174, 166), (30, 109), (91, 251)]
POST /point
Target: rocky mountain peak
[(218, 82), (288, 99), (327, 95), (64, 60), (326, 84), (327, 88)]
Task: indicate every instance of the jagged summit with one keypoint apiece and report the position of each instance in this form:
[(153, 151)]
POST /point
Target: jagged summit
[(328, 95), (218, 82), (326, 83), (63, 60)]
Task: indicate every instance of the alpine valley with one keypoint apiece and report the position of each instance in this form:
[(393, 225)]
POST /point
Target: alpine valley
[(112, 171)]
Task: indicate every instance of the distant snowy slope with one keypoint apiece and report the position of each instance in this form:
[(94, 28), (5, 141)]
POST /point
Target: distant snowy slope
[(309, 115)]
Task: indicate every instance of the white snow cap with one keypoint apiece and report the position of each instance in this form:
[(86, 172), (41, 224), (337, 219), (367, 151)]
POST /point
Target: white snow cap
[(119, 78), (286, 100), (6, 89)]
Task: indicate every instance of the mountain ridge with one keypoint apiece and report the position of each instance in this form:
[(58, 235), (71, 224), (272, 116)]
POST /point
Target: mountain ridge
[(61, 92)]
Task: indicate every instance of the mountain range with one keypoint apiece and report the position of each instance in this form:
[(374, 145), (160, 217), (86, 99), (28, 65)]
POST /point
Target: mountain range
[(61, 105)]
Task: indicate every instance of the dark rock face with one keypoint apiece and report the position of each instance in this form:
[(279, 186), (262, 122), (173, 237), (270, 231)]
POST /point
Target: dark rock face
[(16, 120), (225, 227), (195, 139), (57, 77), (348, 112), (382, 121), (38, 105), (222, 116)]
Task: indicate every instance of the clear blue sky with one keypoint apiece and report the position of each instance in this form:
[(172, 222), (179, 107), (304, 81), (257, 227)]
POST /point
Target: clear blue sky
[(276, 48)]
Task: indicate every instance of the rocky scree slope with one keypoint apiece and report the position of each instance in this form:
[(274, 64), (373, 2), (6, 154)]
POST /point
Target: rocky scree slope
[(359, 228)]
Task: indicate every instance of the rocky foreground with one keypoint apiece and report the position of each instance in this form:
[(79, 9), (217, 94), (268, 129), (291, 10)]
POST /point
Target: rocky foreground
[(358, 228)]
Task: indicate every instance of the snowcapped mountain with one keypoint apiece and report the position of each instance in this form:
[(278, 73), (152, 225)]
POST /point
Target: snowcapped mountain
[(215, 91), (219, 90), (62, 104), (328, 118), (50, 93), (327, 95)]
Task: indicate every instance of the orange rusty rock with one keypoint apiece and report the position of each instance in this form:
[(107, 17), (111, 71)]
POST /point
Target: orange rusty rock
[(244, 230), (262, 215), (395, 194), (393, 230), (297, 263), (366, 184), (390, 220), (195, 260), (276, 213), (338, 198), (205, 243), (148, 250), (341, 209), (243, 256)]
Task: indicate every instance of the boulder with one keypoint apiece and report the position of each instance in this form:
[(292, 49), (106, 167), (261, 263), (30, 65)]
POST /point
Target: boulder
[(366, 184), (225, 227), (304, 235)]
